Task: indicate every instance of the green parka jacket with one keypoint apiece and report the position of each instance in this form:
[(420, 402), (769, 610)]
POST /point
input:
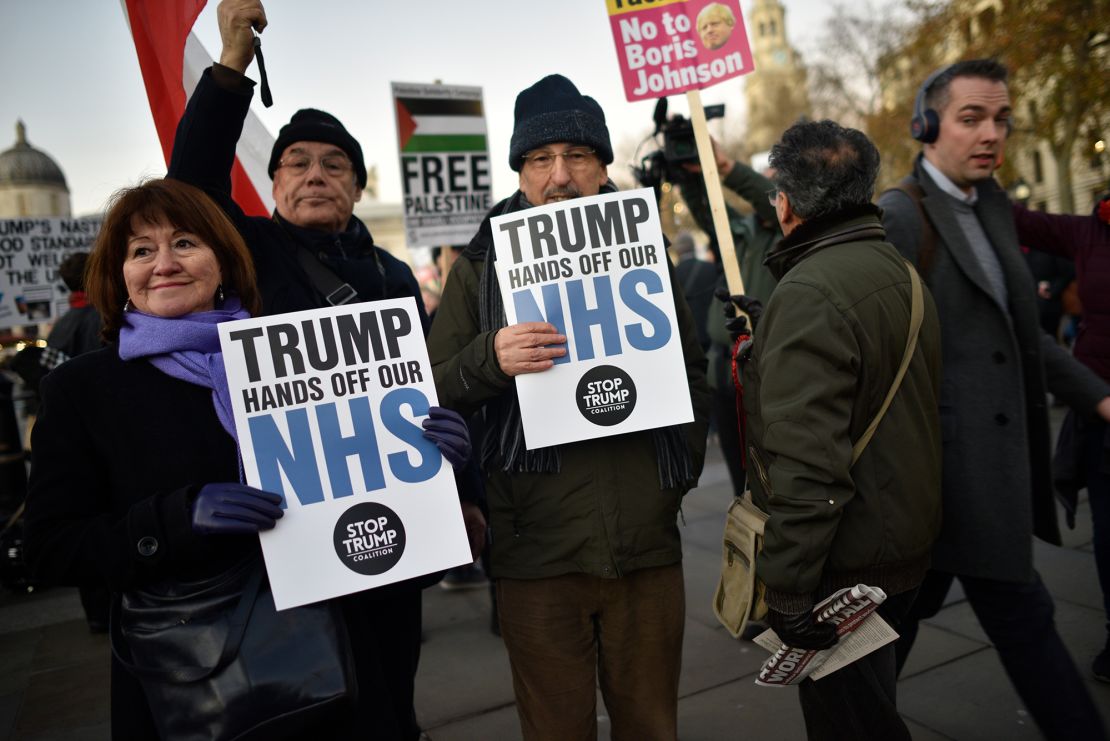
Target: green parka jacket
[(603, 513), (825, 354)]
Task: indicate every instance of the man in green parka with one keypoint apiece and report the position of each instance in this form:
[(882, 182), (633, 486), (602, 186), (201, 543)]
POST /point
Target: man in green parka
[(585, 543), (826, 352)]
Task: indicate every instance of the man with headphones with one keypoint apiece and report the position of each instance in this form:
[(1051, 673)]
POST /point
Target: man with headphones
[(953, 220)]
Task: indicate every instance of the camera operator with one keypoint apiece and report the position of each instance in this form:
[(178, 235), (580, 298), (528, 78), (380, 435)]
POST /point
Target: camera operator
[(753, 236)]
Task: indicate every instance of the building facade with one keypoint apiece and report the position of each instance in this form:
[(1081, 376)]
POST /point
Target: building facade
[(31, 183), (777, 91)]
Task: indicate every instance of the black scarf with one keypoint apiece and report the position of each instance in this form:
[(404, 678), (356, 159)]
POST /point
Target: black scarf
[(334, 249), (504, 436)]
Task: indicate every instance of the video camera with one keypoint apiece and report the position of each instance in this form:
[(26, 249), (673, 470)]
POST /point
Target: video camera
[(679, 148)]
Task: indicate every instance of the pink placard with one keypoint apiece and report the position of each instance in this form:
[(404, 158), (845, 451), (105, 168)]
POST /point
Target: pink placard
[(662, 49)]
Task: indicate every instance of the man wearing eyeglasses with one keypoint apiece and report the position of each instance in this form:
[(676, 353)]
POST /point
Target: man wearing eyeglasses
[(585, 546), (313, 253)]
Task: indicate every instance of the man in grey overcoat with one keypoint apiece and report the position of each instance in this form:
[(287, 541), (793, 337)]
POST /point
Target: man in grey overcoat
[(952, 219)]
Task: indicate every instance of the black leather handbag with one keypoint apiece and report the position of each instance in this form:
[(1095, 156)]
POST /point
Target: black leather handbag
[(217, 661)]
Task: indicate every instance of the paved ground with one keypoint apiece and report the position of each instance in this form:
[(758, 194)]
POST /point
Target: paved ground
[(54, 685)]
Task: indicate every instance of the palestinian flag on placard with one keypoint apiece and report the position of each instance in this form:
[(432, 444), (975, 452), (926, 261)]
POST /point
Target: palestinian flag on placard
[(440, 125)]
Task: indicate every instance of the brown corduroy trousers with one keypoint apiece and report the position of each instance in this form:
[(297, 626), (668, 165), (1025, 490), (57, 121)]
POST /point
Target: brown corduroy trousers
[(568, 634)]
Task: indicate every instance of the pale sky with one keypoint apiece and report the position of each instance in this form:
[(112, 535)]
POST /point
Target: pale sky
[(70, 72)]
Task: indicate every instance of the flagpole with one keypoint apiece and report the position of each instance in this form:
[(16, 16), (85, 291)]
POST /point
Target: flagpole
[(716, 196)]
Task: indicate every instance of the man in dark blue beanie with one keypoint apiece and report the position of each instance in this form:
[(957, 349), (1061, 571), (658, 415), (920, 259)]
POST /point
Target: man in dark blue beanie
[(313, 253), (585, 546)]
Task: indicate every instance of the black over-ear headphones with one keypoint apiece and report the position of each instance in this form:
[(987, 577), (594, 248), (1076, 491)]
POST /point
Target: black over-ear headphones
[(925, 124)]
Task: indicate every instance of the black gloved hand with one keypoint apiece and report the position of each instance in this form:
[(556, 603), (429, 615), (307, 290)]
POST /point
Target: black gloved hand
[(234, 509), (736, 323), (447, 429), (802, 631)]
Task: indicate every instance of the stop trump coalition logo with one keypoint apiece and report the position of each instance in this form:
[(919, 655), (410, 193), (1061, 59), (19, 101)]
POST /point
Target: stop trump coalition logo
[(606, 395), (369, 538)]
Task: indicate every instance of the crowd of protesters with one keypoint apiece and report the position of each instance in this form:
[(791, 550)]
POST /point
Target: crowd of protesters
[(895, 422)]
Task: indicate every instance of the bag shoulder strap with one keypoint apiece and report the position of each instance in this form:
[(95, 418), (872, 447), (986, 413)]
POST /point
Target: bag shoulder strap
[(334, 290), (917, 313), (926, 255)]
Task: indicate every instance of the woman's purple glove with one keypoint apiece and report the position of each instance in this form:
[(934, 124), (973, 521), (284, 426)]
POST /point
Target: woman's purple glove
[(234, 509), (448, 431)]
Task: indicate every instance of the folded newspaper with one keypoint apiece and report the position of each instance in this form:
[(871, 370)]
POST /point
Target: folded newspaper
[(859, 631)]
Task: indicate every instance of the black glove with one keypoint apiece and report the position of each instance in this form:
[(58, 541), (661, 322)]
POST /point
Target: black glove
[(447, 429), (737, 323), (234, 509), (802, 631)]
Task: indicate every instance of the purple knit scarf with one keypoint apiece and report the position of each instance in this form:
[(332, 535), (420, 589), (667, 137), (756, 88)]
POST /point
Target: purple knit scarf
[(187, 348)]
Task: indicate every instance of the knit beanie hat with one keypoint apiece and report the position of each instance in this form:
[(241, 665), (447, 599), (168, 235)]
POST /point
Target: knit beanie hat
[(553, 110), (311, 125)]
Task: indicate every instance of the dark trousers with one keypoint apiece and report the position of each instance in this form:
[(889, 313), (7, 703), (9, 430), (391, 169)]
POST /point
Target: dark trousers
[(1018, 620), (859, 701), (384, 627), (728, 432), (1098, 491), (567, 635)]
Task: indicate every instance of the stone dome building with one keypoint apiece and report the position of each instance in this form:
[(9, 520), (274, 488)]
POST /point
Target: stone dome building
[(31, 183)]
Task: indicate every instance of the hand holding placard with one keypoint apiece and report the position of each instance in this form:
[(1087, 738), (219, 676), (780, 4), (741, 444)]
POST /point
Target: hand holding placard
[(529, 347)]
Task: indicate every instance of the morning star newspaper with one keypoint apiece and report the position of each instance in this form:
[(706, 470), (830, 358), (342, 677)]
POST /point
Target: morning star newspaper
[(860, 632)]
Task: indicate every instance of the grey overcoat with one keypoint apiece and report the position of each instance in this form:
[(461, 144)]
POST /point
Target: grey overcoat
[(997, 363)]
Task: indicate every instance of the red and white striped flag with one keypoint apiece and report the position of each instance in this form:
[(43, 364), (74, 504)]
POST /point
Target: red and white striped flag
[(172, 60)]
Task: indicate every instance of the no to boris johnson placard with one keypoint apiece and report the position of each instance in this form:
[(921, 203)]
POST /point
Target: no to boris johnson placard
[(328, 405), (441, 130), (31, 250), (672, 46), (597, 269)]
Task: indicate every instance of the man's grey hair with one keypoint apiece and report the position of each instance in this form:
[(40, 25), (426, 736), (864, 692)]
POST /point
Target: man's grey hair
[(824, 168)]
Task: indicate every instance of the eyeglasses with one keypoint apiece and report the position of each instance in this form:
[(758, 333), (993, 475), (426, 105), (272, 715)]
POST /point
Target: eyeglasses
[(334, 165), (773, 196), (576, 160)]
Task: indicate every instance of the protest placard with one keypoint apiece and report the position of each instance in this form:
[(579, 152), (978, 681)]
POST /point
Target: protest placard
[(441, 131), (666, 47), (31, 290), (672, 46), (596, 268), (328, 405)]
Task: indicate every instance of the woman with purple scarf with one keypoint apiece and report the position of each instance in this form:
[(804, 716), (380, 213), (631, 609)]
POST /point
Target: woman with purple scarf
[(135, 476)]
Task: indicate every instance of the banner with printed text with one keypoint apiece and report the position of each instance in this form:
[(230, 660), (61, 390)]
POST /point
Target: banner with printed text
[(328, 405), (31, 250), (445, 174), (596, 268), (666, 47)]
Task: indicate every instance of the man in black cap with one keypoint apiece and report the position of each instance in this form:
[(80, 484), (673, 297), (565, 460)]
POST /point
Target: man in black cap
[(313, 253), (585, 547)]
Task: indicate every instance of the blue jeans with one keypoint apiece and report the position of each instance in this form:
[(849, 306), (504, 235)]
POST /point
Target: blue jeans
[(1018, 620)]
